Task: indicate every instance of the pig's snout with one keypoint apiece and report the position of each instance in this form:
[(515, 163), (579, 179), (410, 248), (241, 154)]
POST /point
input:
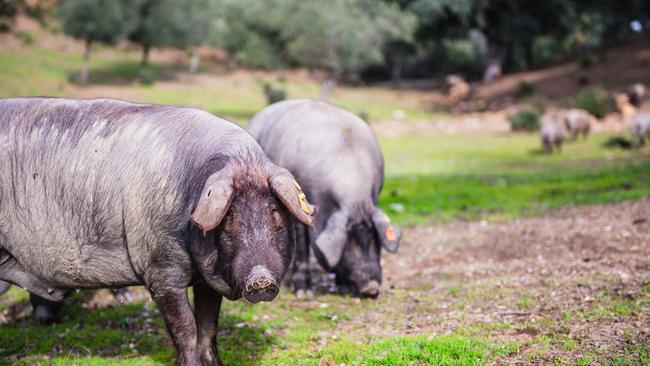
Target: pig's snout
[(371, 289), (260, 285)]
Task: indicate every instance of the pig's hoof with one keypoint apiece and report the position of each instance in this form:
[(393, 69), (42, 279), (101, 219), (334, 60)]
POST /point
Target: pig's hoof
[(43, 316)]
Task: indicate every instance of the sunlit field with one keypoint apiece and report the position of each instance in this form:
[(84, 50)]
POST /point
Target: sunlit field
[(437, 186)]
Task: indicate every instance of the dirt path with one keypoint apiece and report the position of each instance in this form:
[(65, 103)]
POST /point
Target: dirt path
[(574, 283)]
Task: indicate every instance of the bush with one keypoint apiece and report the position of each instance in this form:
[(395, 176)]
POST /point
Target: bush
[(525, 89), (594, 101), (147, 75), (364, 116), (619, 142), (524, 120), (274, 95)]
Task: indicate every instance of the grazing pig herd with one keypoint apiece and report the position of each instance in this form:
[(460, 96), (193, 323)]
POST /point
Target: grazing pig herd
[(107, 194), (574, 123), (571, 123)]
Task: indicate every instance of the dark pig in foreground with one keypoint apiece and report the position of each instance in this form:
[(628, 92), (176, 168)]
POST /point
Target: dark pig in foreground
[(336, 158), (105, 193)]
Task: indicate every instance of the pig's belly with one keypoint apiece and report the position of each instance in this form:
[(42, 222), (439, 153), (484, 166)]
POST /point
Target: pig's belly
[(83, 265)]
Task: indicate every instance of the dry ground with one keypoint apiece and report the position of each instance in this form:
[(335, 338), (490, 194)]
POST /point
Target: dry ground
[(568, 286)]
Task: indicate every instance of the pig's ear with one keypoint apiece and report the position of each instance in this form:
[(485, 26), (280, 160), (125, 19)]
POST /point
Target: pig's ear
[(332, 240), (214, 200), (291, 195), (389, 235)]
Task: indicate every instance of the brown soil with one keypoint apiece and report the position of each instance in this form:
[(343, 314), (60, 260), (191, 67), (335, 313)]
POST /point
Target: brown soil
[(558, 277), (621, 68)]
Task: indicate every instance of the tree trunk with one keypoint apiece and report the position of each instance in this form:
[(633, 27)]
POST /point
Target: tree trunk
[(196, 59), (396, 71), (494, 64), (326, 88), (528, 53), (83, 79), (145, 56)]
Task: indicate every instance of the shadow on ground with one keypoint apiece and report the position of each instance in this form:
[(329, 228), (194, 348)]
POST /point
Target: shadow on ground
[(125, 73)]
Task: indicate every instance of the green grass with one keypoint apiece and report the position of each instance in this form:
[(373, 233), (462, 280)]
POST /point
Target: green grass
[(434, 177), (266, 334), (35, 71), (508, 195)]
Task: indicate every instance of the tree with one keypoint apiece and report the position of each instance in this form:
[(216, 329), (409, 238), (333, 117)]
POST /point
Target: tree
[(198, 26), (508, 26), (160, 23), (341, 37), (8, 11), (105, 21), (249, 30)]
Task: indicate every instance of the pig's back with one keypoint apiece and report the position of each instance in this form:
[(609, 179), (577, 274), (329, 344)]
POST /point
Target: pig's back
[(324, 146)]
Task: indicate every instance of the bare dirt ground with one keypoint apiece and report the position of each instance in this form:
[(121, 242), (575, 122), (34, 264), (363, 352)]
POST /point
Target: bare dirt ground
[(561, 286)]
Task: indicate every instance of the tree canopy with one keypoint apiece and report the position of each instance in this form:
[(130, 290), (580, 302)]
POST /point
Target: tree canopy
[(346, 38)]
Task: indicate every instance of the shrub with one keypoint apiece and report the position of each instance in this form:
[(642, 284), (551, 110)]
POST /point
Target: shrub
[(525, 89), (524, 120), (147, 75), (615, 142), (594, 101), (273, 94), (364, 116)]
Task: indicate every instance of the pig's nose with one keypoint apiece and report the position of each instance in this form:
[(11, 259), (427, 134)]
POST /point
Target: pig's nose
[(371, 289), (260, 285)]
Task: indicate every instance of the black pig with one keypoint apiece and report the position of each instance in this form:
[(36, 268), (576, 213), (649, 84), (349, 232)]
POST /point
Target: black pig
[(105, 193), (336, 157)]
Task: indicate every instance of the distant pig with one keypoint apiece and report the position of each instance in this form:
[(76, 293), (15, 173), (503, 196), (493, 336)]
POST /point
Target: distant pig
[(636, 94), (640, 129), (552, 136), (336, 158), (105, 193), (577, 122)]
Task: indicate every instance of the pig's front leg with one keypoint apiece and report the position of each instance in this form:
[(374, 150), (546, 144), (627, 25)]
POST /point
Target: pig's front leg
[(207, 303), (301, 277), (175, 309)]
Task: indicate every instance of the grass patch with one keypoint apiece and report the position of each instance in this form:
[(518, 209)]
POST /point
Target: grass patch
[(508, 195), (277, 333)]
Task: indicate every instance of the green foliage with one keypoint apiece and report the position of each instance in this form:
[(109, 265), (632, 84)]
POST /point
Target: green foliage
[(364, 116), (619, 142), (105, 21), (524, 120), (172, 23), (340, 36), (246, 30), (525, 89), (595, 101), (273, 94), (8, 11), (146, 75)]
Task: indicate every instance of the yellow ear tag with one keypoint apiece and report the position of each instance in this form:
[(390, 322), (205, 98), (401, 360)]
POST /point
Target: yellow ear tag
[(387, 218), (297, 185), (390, 233), (303, 203)]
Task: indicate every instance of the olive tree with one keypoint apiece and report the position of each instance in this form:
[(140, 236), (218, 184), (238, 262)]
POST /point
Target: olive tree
[(105, 21)]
